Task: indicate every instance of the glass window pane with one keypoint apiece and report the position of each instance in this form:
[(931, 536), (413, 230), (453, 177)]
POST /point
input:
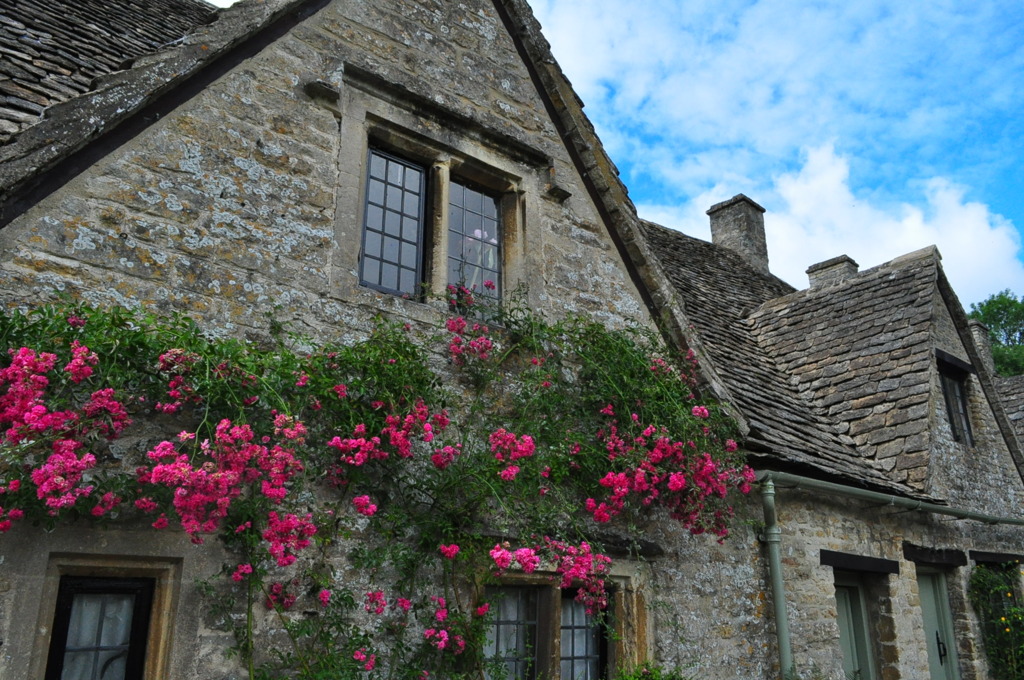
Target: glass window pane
[(373, 242), (392, 223), (374, 217), (375, 192), (407, 284), (412, 179), (455, 220), (378, 166), (472, 225), (409, 255), (394, 199), (395, 172), (412, 204), (410, 230), (474, 200), (389, 276), (390, 249), (371, 270)]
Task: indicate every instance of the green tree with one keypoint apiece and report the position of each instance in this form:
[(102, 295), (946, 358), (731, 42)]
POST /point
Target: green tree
[(1003, 313)]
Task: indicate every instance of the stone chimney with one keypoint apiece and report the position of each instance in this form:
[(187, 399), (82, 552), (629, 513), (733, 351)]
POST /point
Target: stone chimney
[(832, 271), (983, 342), (738, 224)]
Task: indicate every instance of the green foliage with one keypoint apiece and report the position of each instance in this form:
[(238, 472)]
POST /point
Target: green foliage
[(591, 403), (1003, 314), (993, 594)]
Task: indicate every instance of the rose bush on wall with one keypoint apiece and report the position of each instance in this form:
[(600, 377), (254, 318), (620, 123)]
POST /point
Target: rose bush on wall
[(500, 441)]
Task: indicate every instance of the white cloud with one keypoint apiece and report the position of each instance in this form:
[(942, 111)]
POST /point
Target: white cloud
[(814, 215), (872, 128)]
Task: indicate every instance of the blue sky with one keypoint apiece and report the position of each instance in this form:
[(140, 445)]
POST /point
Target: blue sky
[(866, 127), (870, 128)]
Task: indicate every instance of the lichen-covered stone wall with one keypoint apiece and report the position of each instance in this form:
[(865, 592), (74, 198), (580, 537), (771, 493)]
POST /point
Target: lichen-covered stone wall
[(247, 199)]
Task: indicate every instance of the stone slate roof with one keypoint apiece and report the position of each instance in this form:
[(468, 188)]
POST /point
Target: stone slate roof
[(802, 367), (860, 351), (53, 50), (1011, 394)]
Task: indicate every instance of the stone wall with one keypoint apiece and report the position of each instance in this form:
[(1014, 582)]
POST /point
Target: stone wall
[(247, 199)]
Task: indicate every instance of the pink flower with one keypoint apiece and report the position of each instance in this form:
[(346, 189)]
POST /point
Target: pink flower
[(364, 506), (489, 285), (341, 391), (324, 597), (449, 551), (509, 473), (241, 572), (527, 559), (483, 609), (501, 556), (730, 445), (701, 411), (375, 602), (403, 604)]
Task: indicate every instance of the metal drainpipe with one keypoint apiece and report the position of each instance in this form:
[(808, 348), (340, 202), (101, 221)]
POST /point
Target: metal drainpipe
[(773, 536), (773, 539)]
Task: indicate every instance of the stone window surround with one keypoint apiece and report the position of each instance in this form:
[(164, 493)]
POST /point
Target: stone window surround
[(371, 118), (166, 574)]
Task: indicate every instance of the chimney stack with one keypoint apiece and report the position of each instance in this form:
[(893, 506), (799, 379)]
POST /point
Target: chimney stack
[(983, 343), (738, 224), (832, 271)]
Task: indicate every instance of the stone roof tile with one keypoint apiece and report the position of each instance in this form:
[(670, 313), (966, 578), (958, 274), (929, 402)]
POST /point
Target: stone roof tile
[(722, 296), (52, 50)]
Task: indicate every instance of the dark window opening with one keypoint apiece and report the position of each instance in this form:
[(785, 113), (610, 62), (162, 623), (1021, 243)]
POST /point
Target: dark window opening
[(954, 390), (100, 628), (394, 225)]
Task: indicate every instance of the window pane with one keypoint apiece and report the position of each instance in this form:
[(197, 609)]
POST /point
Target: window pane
[(394, 200), (373, 242), (409, 253), (512, 637), (581, 642), (394, 172), (410, 230), (479, 249), (375, 192), (392, 223), (412, 204), (378, 166), (412, 179), (389, 276), (392, 251)]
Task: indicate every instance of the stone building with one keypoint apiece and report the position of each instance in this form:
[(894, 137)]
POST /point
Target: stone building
[(164, 156)]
